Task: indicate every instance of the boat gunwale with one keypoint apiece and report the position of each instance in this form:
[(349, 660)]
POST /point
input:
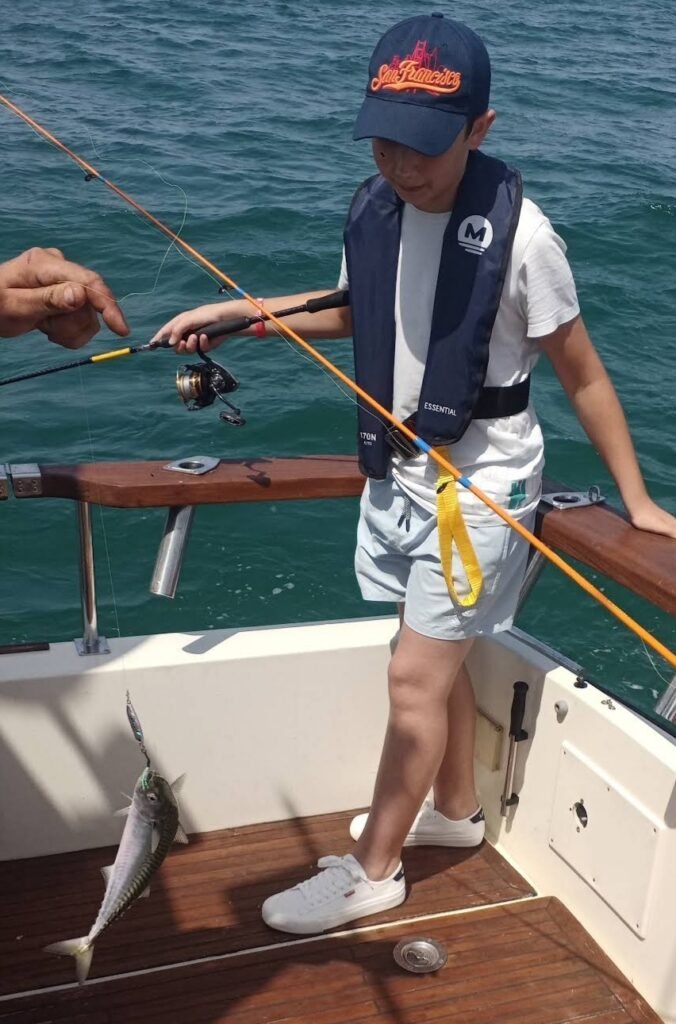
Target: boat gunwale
[(598, 535)]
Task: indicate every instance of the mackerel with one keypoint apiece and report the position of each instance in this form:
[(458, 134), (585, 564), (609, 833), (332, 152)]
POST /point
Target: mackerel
[(152, 826)]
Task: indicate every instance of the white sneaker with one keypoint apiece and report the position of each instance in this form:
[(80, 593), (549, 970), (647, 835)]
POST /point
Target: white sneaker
[(431, 828), (340, 893)]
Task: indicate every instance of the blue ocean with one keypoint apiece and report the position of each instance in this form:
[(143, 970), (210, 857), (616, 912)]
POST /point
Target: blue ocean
[(232, 124)]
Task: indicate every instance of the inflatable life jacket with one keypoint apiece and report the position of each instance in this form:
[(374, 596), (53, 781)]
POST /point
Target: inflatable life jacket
[(476, 248)]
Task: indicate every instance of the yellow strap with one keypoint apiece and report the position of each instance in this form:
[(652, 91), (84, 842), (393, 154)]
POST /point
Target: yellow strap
[(452, 530)]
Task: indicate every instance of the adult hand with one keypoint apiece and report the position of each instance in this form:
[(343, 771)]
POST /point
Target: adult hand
[(41, 290)]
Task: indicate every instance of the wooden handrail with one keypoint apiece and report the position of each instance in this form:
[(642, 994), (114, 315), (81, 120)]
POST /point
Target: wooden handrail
[(150, 485), (601, 537), (597, 535)]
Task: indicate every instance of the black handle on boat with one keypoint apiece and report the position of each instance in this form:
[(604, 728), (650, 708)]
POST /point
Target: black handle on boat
[(516, 729), (516, 734), (238, 324)]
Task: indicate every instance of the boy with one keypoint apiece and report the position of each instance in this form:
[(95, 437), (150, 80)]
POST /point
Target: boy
[(442, 257)]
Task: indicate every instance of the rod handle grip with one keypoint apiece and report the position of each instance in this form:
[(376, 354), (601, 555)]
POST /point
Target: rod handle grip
[(332, 301), (223, 327), (241, 323)]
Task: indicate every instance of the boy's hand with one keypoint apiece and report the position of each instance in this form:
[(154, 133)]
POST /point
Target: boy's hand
[(649, 516), (40, 290), (183, 330)]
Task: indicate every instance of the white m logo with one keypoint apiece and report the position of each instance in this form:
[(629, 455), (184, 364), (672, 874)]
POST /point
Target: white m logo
[(475, 234)]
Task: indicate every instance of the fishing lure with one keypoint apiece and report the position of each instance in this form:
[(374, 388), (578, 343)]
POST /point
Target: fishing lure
[(137, 729)]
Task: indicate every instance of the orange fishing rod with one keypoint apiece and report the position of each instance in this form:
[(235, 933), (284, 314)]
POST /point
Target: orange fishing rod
[(589, 588)]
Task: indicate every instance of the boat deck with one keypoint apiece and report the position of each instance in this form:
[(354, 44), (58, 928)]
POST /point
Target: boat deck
[(197, 952)]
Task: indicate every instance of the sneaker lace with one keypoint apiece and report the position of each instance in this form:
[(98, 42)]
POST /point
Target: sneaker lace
[(336, 876)]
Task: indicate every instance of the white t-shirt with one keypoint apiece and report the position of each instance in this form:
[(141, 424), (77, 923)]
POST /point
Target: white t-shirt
[(503, 457)]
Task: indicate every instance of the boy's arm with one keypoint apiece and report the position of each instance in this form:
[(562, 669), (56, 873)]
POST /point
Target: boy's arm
[(328, 323), (593, 397)]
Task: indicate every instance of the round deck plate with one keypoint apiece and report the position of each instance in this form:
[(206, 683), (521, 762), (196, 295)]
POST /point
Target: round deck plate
[(421, 956)]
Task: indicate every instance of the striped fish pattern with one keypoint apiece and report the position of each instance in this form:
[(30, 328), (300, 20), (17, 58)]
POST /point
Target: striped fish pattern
[(152, 826)]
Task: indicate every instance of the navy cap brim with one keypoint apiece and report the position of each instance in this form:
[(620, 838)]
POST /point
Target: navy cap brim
[(419, 127)]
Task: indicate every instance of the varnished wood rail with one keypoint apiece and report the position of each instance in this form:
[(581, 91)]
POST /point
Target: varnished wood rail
[(598, 536)]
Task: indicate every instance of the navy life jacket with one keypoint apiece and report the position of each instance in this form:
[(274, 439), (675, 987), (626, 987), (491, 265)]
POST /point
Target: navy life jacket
[(476, 249)]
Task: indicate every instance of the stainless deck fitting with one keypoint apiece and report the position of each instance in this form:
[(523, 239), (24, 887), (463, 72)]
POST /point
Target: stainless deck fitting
[(420, 956), (195, 465), (26, 479), (573, 499), (172, 549), (91, 642)]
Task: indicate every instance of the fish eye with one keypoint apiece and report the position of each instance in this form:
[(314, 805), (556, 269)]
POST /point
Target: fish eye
[(152, 797)]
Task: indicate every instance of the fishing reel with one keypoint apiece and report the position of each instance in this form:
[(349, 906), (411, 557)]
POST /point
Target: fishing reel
[(200, 384)]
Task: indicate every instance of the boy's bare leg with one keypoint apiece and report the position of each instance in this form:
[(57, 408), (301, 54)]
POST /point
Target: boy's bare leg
[(455, 794), (420, 679), (454, 789)]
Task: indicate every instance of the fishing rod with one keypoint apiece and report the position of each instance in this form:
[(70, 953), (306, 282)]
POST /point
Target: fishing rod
[(198, 385), (218, 330), (334, 300), (102, 357), (386, 414)]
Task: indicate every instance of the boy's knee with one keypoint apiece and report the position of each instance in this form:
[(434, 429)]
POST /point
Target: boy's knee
[(408, 683)]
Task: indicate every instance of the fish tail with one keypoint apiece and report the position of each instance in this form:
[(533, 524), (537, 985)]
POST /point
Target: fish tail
[(83, 951)]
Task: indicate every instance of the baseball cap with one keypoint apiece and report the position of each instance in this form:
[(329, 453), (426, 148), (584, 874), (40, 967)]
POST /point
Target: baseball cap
[(427, 76)]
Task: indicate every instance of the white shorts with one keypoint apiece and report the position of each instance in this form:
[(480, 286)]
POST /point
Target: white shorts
[(397, 559)]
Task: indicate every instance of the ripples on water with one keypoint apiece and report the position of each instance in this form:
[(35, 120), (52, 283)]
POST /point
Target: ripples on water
[(247, 113)]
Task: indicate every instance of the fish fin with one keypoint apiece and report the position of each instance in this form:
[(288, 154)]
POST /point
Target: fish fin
[(177, 785), (122, 813), (81, 949), (154, 840)]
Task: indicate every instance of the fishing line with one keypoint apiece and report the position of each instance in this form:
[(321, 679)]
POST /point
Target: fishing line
[(172, 243), (85, 410), (420, 443), (652, 662), (132, 716)]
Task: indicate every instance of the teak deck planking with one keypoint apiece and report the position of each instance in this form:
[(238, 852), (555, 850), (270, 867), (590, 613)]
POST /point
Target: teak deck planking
[(514, 958)]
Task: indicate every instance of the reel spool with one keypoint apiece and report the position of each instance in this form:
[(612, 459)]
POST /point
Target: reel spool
[(200, 384)]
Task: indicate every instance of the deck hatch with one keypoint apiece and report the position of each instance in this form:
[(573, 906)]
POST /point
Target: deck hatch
[(605, 835)]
